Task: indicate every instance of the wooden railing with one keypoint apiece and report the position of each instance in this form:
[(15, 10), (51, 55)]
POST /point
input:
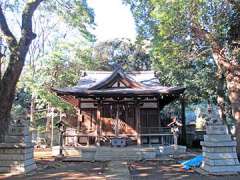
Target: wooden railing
[(155, 130), (162, 139), (166, 139)]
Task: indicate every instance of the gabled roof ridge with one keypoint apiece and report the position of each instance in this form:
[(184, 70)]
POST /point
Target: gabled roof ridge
[(109, 72), (100, 71), (117, 72)]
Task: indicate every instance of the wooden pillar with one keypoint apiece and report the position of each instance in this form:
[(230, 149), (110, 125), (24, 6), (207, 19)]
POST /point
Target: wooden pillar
[(117, 120), (79, 120), (159, 107), (138, 124), (52, 126), (183, 117), (99, 123)]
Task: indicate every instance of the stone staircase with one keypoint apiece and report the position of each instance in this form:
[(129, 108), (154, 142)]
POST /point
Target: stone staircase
[(118, 154)]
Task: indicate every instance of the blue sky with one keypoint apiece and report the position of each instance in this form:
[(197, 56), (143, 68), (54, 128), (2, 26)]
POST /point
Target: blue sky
[(113, 19)]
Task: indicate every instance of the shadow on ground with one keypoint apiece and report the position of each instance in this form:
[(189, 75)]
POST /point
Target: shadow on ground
[(155, 170), (66, 171)]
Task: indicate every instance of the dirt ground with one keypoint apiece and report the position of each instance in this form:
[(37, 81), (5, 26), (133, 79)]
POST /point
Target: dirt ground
[(148, 170), (49, 169), (171, 170), (66, 171)]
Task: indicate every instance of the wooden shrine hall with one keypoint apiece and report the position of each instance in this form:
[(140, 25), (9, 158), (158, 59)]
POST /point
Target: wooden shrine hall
[(120, 104)]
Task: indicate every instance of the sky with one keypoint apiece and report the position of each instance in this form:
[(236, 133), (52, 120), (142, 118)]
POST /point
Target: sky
[(113, 20)]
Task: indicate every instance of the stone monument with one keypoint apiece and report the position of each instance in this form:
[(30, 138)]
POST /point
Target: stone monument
[(219, 150), (16, 154)]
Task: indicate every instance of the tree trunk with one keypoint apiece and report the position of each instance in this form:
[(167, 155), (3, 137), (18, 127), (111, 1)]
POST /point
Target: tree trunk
[(221, 98), (221, 95), (18, 51), (233, 85), (7, 93)]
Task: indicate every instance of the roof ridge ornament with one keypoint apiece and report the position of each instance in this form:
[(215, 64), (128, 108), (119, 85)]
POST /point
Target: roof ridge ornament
[(117, 75)]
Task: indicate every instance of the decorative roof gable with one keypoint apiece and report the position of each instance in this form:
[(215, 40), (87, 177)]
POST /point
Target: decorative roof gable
[(119, 77)]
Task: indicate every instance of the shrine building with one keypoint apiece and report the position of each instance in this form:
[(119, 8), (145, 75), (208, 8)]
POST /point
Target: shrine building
[(120, 104)]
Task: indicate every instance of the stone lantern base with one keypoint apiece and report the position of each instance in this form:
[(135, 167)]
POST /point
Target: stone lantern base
[(16, 154), (219, 151)]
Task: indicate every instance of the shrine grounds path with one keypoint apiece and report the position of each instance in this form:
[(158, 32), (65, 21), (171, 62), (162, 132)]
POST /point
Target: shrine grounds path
[(149, 170), (49, 169)]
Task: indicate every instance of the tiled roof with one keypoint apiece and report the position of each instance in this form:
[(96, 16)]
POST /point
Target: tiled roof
[(95, 83), (92, 78)]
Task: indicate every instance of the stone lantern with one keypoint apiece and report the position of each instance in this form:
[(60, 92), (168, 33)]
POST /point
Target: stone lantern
[(61, 127)]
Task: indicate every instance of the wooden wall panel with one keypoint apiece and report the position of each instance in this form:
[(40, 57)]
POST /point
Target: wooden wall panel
[(149, 118), (88, 120)]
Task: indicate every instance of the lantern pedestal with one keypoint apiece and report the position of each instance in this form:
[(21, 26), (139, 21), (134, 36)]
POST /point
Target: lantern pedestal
[(16, 155), (219, 151)]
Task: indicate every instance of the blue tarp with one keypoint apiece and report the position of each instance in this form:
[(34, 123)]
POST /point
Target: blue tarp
[(195, 162)]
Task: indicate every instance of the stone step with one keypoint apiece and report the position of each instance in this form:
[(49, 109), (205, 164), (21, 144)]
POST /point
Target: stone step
[(18, 169), (99, 155), (221, 169), (219, 144), (217, 138), (122, 155), (18, 139), (220, 162), (219, 156), (117, 154), (219, 149), (4, 163), (16, 157), (216, 129), (117, 158), (16, 151)]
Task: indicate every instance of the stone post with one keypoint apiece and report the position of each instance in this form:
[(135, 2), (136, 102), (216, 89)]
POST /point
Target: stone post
[(16, 154)]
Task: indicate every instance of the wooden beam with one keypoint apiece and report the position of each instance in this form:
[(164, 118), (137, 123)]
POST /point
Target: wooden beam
[(114, 101)]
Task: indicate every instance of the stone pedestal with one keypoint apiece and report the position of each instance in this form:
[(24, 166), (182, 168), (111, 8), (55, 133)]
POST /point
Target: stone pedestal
[(219, 151), (16, 154), (172, 149)]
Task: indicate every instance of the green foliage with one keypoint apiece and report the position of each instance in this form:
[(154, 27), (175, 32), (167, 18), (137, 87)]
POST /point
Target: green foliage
[(49, 63), (76, 13), (124, 53), (179, 56), (58, 68), (141, 10)]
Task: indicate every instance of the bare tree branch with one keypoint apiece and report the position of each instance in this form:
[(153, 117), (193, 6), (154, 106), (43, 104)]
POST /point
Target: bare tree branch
[(27, 33), (8, 36)]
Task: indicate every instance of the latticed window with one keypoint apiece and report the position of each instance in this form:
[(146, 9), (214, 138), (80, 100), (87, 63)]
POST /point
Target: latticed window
[(149, 118)]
